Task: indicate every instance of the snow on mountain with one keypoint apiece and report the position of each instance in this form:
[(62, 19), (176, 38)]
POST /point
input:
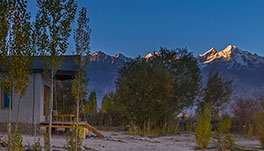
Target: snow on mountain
[(149, 55), (232, 57), (246, 70)]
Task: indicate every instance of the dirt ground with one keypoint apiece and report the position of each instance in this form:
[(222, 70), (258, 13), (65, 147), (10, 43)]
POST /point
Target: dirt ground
[(118, 141)]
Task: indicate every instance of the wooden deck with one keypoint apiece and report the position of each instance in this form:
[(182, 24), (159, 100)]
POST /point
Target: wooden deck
[(84, 127)]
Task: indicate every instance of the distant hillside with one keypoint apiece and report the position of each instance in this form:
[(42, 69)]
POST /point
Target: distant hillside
[(246, 69), (103, 71)]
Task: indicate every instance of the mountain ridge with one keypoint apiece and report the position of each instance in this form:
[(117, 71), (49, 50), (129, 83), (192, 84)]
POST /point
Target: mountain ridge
[(245, 68)]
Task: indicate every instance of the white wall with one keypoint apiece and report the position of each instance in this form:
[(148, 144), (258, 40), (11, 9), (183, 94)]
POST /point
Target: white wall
[(26, 107)]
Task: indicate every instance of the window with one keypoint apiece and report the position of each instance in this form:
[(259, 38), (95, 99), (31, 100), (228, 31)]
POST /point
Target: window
[(4, 100)]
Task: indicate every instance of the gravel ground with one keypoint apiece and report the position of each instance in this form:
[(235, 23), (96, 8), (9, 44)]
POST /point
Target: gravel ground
[(118, 141)]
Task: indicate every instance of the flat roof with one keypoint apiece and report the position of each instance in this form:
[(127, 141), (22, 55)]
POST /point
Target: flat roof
[(66, 70)]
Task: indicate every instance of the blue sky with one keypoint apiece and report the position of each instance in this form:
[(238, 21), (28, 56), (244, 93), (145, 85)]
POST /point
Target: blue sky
[(137, 27)]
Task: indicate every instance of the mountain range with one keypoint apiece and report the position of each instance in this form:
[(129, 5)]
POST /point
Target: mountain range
[(244, 68)]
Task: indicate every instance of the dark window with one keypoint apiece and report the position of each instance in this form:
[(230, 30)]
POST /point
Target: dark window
[(4, 100)]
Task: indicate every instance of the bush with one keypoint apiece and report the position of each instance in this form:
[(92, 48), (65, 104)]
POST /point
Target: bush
[(259, 122), (224, 126), (71, 143), (243, 111), (224, 143), (250, 131), (189, 127), (46, 137), (224, 138), (16, 142), (203, 130)]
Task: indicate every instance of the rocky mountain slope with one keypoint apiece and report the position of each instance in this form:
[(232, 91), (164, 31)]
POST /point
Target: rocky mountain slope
[(246, 70), (102, 73)]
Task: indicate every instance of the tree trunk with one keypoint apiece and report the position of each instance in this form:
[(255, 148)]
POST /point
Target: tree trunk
[(77, 115), (9, 120), (17, 116), (77, 126), (50, 108)]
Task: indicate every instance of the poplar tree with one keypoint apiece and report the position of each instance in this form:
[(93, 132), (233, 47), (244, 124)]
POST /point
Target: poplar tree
[(91, 104), (16, 51), (53, 28), (106, 104), (81, 59)]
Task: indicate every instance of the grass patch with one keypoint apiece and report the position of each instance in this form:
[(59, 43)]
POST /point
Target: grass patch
[(105, 128), (235, 148)]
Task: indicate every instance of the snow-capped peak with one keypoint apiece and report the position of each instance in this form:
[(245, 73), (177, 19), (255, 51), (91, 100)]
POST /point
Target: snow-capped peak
[(231, 56), (210, 52), (121, 56), (149, 55), (98, 53)]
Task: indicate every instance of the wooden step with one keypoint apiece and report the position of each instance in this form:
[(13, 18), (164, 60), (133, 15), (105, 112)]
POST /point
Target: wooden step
[(92, 129)]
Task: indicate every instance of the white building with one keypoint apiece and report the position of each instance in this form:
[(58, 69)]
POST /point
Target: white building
[(34, 105)]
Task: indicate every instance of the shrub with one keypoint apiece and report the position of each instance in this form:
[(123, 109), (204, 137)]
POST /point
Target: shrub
[(189, 127), (243, 111), (71, 143), (250, 131), (203, 130), (259, 122), (224, 138), (224, 125), (16, 142), (46, 137)]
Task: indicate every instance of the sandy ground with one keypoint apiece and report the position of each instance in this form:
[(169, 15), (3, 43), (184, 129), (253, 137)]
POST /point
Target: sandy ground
[(118, 141)]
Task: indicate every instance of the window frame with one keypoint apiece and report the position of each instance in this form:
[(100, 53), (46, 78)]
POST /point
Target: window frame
[(3, 101)]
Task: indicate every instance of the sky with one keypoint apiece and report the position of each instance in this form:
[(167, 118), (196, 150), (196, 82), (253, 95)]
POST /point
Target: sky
[(138, 27)]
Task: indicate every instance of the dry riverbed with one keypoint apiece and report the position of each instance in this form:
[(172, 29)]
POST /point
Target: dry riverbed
[(118, 141)]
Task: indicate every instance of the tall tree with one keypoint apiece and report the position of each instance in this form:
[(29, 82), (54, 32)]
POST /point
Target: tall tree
[(53, 27), (157, 89), (91, 104), (16, 52), (81, 59), (186, 77), (216, 93), (106, 104)]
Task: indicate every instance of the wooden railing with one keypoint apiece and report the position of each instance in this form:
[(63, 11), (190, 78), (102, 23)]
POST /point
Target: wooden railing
[(64, 118)]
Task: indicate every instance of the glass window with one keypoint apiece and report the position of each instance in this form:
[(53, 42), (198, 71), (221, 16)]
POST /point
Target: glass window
[(4, 100)]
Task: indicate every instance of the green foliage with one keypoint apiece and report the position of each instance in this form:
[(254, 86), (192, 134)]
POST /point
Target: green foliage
[(203, 129), (91, 104), (52, 30), (81, 58), (15, 50), (73, 138), (217, 92), (250, 131), (46, 137), (224, 138), (106, 104), (16, 142), (225, 142), (189, 127), (158, 88), (224, 125), (259, 122)]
